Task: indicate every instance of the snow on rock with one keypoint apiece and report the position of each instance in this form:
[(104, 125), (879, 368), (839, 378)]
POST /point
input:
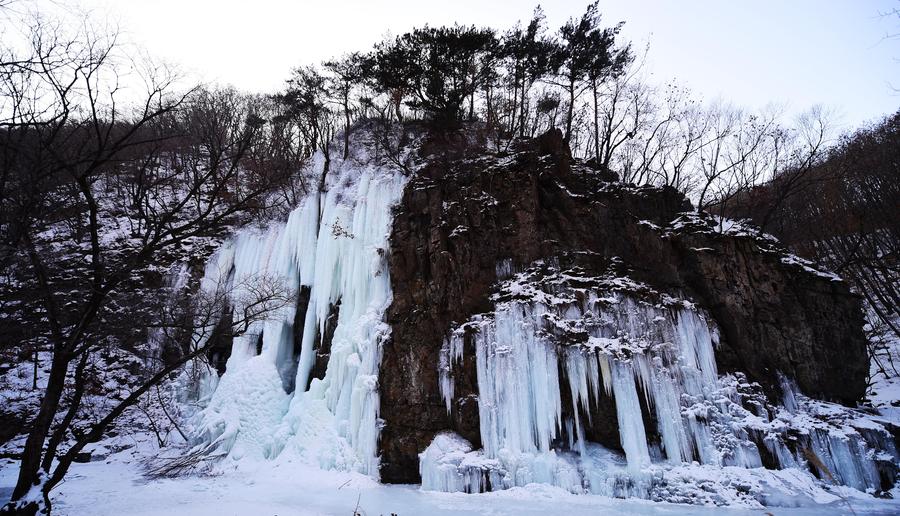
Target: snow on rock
[(703, 222), (450, 465)]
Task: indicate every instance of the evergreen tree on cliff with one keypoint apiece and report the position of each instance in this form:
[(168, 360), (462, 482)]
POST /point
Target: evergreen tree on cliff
[(530, 56), (589, 56), (438, 68)]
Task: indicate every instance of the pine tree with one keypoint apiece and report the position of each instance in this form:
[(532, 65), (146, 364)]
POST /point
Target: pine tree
[(438, 68), (589, 55), (531, 56)]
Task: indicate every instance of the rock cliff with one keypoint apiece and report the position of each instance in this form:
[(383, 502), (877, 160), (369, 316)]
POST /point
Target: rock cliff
[(464, 219)]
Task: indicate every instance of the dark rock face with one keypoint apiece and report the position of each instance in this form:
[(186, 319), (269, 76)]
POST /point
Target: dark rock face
[(222, 341), (459, 218), (778, 319), (323, 342)]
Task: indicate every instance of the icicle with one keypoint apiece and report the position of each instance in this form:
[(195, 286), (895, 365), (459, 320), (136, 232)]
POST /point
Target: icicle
[(451, 353), (667, 397), (606, 373), (581, 371), (789, 394), (631, 423), (518, 383), (668, 354)]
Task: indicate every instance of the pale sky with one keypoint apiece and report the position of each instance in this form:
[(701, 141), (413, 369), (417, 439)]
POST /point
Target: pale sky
[(792, 52)]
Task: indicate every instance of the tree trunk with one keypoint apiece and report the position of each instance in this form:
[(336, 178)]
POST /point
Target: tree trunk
[(515, 108), (34, 378), (34, 445), (346, 128), (490, 107), (398, 99), (596, 122), (570, 111), (522, 110), (60, 433), (325, 167)]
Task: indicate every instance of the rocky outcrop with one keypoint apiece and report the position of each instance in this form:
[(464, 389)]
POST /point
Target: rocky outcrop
[(460, 217)]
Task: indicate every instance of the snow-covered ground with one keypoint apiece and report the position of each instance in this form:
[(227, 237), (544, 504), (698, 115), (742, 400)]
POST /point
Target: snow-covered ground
[(117, 486)]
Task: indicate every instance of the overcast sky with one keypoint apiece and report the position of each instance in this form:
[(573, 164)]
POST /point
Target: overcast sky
[(797, 52)]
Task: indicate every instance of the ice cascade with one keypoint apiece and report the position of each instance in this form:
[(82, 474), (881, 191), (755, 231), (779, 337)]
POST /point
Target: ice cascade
[(550, 353), (333, 247)]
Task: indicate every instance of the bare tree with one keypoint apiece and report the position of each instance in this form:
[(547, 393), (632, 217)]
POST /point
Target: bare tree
[(622, 105), (346, 74), (77, 162), (796, 154), (728, 159), (665, 138), (306, 103)]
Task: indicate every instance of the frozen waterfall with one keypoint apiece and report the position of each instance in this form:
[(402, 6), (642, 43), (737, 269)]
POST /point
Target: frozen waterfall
[(335, 245), (559, 356), (547, 341)]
